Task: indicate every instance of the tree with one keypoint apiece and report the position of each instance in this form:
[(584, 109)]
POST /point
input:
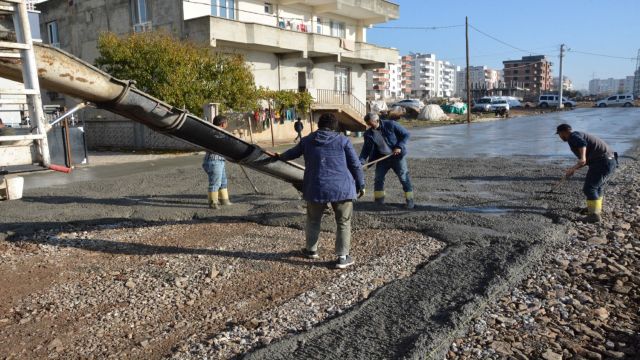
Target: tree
[(286, 99), (181, 73)]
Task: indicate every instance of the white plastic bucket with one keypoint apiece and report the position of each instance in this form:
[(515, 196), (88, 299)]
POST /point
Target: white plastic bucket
[(14, 187)]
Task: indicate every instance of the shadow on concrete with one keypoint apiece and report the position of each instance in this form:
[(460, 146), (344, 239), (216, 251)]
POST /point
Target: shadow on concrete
[(123, 248), (167, 201)]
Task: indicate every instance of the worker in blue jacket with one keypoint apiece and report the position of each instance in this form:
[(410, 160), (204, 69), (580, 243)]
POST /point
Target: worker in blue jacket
[(386, 137), (333, 175)]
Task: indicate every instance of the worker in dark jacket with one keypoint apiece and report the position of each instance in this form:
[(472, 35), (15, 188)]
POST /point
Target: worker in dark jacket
[(332, 175), (591, 151), (386, 137), (298, 126)]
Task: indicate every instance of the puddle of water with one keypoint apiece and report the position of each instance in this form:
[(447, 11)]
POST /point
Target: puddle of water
[(490, 210), (526, 136)]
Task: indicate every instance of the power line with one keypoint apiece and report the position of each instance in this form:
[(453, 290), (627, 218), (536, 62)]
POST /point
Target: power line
[(498, 40), (601, 55), (417, 27)]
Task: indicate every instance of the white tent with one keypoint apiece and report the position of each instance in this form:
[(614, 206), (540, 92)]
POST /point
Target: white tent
[(432, 113), (378, 105)]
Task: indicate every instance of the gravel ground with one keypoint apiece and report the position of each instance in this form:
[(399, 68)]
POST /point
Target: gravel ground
[(580, 302), (202, 289), (117, 265)]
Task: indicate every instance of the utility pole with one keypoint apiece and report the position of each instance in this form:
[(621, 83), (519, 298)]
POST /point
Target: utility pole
[(560, 82), (466, 33)]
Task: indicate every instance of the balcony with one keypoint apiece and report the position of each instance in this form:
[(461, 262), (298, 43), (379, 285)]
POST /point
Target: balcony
[(366, 11), (220, 32)]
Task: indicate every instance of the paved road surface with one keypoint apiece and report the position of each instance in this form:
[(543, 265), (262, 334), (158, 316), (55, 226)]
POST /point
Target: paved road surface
[(531, 135)]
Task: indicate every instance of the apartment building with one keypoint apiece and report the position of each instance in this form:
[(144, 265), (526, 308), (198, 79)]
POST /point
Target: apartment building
[(318, 46), (531, 72), (611, 86), (385, 83), (481, 77), (567, 84), (423, 76), (406, 75), (446, 80)]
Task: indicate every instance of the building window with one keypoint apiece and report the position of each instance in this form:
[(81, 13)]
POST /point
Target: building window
[(342, 83), (527, 71), (138, 11), (515, 72), (225, 8), (319, 26), (268, 8), (52, 32), (338, 29)]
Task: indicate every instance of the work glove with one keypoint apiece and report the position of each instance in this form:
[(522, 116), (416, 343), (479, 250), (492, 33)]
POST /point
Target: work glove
[(361, 193)]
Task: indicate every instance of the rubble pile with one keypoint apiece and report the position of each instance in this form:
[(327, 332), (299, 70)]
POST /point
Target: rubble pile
[(581, 302)]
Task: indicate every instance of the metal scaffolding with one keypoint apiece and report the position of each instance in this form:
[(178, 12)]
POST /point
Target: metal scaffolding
[(22, 48)]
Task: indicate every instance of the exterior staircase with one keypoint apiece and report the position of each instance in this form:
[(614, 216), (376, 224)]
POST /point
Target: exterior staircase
[(349, 110)]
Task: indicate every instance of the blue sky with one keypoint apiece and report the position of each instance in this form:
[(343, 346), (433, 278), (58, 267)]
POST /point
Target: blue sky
[(539, 26)]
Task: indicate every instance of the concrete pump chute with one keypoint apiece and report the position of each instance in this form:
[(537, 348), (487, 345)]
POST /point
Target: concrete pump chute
[(62, 72)]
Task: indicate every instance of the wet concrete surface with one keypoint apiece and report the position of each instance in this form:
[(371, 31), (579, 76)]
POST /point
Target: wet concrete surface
[(527, 136), (495, 215)]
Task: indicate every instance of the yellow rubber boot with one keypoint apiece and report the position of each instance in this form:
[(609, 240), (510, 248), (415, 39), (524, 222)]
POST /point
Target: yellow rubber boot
[(223, 195), (409, 197), (378, 197), (594, 208), (213, 200)]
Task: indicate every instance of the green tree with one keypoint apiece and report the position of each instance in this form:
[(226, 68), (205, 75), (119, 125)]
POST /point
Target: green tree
[(181, 73)]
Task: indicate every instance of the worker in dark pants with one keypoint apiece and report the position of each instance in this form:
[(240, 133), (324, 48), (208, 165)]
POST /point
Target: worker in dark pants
[(333, 175), (386, 137), (591, 151), (298, 126)]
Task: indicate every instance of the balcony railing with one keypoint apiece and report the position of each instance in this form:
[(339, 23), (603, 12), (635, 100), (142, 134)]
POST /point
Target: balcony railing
[(143, 27), (335, 97)]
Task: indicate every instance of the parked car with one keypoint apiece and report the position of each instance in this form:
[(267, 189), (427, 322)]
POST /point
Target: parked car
[(514, 103), (482, 105), (546, 101), (625, 100), (500, 107), (415, 103)]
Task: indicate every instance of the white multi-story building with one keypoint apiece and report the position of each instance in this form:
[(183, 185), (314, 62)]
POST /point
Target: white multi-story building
[(385, 83), (446, 79), (567, 84), (611, 86), (423, 76), (481, 77), (318, 46)]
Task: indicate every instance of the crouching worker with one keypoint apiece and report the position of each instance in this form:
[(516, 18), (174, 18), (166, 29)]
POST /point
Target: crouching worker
[(387, 138), (214, 165), (591, 151), (333, 175)]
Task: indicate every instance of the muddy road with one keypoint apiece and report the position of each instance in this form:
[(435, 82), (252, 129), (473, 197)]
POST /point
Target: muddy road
[(484, 220)]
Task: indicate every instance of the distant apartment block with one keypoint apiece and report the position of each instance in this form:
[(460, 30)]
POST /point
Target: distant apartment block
[(611, 86), (532, 73), (481, 77), (427, 77), (567, 84), (385, 83)]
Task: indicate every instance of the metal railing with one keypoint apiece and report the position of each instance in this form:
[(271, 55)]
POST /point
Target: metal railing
[(335, 97)]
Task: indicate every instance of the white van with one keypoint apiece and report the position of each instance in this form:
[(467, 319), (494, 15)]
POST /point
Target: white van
[(546, 101), (625, 100)]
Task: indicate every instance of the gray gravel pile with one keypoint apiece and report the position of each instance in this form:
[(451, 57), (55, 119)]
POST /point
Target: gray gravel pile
[(582, 302), (199, 289), (314, 306)]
